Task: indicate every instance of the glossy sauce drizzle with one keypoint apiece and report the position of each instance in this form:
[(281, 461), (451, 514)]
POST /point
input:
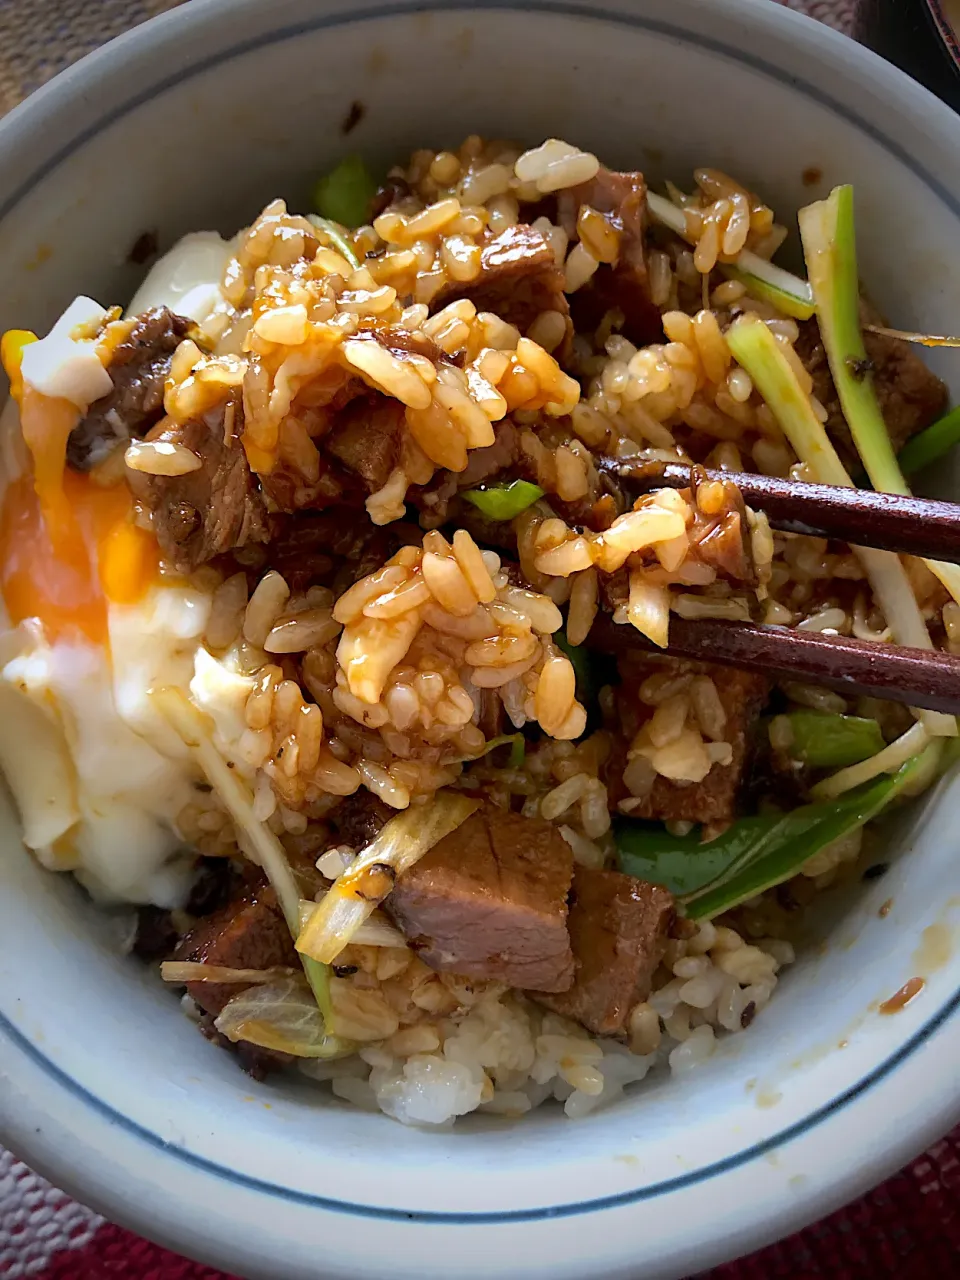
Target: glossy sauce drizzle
[(900, 999)]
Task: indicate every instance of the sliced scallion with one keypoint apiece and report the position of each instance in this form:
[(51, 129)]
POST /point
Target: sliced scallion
[(830, 248), (504, 501), (825, 740), (759, 852), (336, 238), (757, 350), (788, 293), (268, 852), (344, 194), (932, 443)]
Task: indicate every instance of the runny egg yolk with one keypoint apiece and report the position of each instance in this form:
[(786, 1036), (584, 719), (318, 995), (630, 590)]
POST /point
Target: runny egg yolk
[(68, 584), (68, 546)]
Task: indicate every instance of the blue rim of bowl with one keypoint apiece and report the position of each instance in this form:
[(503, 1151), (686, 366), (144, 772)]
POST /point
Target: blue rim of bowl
[(564, 8), (947, 30)]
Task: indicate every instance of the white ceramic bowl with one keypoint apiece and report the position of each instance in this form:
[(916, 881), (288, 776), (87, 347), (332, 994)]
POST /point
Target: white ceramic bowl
[(197, 119)]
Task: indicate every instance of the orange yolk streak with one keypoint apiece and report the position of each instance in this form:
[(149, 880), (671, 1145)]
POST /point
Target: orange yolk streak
[(67, 584), (67, 545)]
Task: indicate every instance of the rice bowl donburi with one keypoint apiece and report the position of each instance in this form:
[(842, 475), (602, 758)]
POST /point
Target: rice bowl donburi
[(336, 639)]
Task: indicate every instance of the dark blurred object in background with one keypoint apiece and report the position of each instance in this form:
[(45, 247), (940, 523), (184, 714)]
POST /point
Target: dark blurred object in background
[(905, 32)]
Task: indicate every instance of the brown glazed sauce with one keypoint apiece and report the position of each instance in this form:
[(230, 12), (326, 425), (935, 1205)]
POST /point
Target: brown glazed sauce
[(909, 991)]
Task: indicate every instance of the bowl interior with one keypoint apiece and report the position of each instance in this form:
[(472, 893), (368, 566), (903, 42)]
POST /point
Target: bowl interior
[(173, 141)]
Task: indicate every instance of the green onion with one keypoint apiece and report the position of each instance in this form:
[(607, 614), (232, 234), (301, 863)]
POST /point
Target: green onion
[(683, 864), (824, 740), (887, 760), (268, 852), (584, 668), (515, 740), (337, 239), (518, 752), (930, 444), (344, 194), (755, 853), (504, 501), (830, 248), (757, 350), (282, 1016), (789, 294), (801, 834)]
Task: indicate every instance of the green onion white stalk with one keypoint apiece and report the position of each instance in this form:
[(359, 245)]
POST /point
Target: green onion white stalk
[(788, 293), (182, 971), (257, 840), (375, 932), (757, 350), (829, 245)]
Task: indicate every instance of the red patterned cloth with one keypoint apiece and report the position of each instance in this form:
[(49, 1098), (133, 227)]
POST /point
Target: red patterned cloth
[(906, 1229)]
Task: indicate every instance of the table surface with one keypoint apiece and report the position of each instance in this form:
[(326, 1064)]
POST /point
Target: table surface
[(908, 1228)]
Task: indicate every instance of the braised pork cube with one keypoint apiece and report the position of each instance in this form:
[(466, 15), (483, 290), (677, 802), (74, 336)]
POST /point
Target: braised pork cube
[(618, 930), (248, 933), (683, 782), (911, 396), (366, 438), (620, 199), (214, 508), (519, 280), (314, 548), (138, 368), (490, 901)]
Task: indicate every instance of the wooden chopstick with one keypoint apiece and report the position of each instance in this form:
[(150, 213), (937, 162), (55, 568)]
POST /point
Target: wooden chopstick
[(916, 526), (918, 677)]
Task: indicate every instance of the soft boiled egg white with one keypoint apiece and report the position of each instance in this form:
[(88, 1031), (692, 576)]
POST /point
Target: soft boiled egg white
[(90, 627)]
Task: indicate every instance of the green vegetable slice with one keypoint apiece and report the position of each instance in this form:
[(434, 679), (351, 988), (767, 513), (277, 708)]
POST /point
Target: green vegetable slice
[(803, 834), (344, 194), (788, 293), (830, 248), (755, 853), (932, 443), (824, 740), (584, 668), (504, 501), (515, 740), (683, 864), (282, 1016), (336, 238), (770, 288)]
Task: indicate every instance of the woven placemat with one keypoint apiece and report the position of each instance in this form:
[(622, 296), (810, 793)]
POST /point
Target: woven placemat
[(908, 1228)]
